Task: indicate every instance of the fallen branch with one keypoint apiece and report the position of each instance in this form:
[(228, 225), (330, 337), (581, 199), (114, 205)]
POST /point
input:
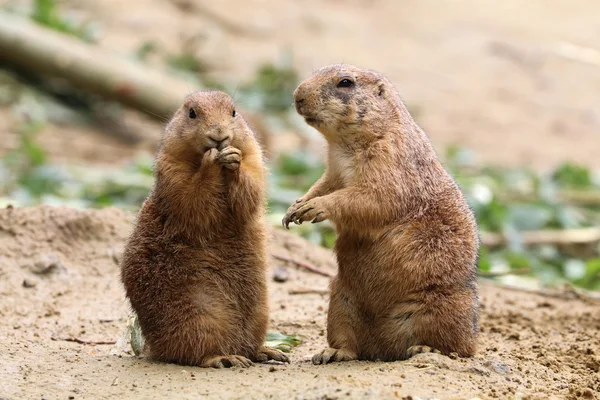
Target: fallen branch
[(573, 52), (569, 293), (565, 236), (583, 197), (82, 341), (91, 68), (308, 291), (488, 274), (88, 67), (306, 266), (571, 196)]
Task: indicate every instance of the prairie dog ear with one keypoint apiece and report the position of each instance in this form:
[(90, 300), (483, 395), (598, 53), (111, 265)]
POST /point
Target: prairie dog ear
[(381, 89)]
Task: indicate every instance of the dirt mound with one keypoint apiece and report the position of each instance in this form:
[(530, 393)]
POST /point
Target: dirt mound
[(59, 280)]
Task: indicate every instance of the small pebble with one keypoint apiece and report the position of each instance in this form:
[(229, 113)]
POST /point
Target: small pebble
[(281, 275), (29, 283), (47, 263)]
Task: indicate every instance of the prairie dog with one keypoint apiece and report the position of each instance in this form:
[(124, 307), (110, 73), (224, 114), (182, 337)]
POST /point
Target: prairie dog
[(195, 265), (407, 241)]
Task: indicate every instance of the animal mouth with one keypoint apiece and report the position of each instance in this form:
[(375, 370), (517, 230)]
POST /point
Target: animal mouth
[(311, 120)]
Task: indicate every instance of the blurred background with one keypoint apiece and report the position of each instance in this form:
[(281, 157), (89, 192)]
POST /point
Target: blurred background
[(508, 92)]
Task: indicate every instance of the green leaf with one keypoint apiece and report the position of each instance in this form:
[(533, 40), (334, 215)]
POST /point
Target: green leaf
[(274, 85), (484, 262), (282, 341), (591, 278), (573, 175), (46, 12)]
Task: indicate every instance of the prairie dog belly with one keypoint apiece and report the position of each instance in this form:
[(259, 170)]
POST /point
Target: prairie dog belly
[(343, 164)]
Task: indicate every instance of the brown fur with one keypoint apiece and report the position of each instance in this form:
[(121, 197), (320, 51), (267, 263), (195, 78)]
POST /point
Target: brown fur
[(195, 265), (407, 241)]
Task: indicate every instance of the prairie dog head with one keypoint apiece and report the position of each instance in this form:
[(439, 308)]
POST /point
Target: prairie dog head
[(208, 119), (342, 98)]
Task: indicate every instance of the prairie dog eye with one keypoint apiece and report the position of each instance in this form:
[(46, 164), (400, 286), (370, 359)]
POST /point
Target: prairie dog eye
[(233, 113), (344, 83), (192, 113)]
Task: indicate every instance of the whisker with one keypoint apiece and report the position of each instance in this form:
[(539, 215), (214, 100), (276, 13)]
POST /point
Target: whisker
[(163, 119)]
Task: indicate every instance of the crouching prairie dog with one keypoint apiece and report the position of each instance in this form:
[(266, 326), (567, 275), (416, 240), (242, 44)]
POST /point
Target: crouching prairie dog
[(194, 268), (407, 241)]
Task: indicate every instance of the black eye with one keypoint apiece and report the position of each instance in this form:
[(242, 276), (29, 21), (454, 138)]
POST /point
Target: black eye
[(192, 113), (233, 113), (345, 83)]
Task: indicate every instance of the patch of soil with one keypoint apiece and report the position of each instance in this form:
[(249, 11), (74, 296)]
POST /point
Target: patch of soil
[(59, 279)]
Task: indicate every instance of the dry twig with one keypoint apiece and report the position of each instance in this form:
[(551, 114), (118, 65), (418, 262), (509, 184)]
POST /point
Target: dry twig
[(572, 196), (573, 52), (569, 293), (308, 291), (565, 236), (82, 341), (306, 266), (488, 274)]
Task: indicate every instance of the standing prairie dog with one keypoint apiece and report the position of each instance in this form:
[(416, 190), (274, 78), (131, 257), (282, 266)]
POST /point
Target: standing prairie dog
[(195, 265), (407, 241)]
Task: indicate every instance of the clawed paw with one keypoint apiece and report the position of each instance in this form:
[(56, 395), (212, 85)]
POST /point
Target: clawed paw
[(230, 158), (209, 157), (330, 355), (227, 362), (414, 350), (311, 210), (291, 211), (268, 353)]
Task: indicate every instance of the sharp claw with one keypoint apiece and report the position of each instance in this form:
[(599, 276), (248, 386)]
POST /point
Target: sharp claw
[(318, 218), (333, 356)]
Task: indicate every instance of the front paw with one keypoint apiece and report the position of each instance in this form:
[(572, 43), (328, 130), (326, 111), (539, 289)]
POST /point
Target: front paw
[(315, 210), (230, 158), (209, 158), (291, 211)]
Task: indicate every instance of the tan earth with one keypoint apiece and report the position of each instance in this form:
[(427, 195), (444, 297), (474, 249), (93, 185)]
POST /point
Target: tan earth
[(59, 280), (501, 78)]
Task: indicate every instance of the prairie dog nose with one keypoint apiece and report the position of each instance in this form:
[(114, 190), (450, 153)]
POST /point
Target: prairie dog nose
[(299, 95), (219, 144)]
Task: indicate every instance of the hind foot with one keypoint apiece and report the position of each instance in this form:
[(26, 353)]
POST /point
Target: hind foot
[(268, 353), (330, 355), (227, 362), (414, 350)]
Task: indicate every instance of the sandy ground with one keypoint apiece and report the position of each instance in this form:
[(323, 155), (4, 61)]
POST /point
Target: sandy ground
[(59, 279), (482, 74)]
